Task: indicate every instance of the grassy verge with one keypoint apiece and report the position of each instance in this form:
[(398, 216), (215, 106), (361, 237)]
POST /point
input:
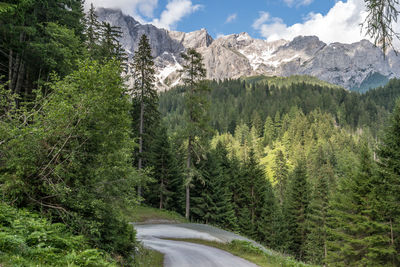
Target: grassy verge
[(144, 214), (248, 251), (149, 258)]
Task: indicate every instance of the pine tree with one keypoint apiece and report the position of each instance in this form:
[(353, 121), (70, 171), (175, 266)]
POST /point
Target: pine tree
[(252, 197), (196, 104), (269, 132), (315, 246), (92, 32), (268, 231), (388, 191), (256, 122), (295, 210), (225, 215), (145, 98), (281, 173), (161, 158), (357, 236), (111, 48)]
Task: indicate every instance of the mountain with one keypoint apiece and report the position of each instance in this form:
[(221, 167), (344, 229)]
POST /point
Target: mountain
[(358, 66)]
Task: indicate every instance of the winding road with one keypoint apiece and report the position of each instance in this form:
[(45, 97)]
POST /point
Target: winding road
[(186, 254)]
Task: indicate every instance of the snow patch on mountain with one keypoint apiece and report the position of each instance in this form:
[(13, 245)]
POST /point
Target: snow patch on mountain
[(237, 55)]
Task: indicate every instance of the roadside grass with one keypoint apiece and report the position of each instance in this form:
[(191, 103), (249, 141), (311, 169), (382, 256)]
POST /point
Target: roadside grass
[(248, 251), (148, 258), (145, 214)]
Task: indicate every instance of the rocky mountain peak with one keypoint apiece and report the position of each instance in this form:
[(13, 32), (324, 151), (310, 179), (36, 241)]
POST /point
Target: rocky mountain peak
[(195, 39), (236, 55)]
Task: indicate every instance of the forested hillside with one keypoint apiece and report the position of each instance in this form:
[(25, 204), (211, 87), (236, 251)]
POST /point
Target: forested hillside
[(297, 166), (245, 101)]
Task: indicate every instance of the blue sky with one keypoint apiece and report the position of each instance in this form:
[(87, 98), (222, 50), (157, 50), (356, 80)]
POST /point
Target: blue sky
[(330, 20), (213, 14)]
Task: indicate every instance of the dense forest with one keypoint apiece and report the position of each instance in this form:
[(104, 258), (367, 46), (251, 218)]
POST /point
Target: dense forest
[(304, 167), (65, 138)]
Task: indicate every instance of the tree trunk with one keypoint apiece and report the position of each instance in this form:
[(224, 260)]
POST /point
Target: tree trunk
[(10, 65), (188, 161), (141, 130), (140, 144), (392, 238), (14, 74), (252, 205), (161, 193), (18, 86)]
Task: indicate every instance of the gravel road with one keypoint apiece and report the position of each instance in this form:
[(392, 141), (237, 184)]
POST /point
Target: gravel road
[(185, 254)]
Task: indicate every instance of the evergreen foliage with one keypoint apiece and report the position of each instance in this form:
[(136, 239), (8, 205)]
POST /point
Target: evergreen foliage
[(196, 106), (357, 235), (235, 102), (145, 100), (388, 189), (295, 210)]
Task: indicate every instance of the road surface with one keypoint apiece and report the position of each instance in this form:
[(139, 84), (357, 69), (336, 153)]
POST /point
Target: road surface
[(186, 254)]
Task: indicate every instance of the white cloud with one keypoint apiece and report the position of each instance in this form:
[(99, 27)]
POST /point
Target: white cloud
[(143, 10), (174, 12), (219, 35), (135, 8), (340, 24), (264, 17), (231, 18), (298, 3)]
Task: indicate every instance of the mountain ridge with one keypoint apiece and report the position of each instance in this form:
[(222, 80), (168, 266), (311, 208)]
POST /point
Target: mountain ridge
[(353, 66)]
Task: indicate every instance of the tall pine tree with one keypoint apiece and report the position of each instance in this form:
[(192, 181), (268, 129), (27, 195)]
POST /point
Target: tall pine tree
[(295, 210), (196, 104), (145, 98)]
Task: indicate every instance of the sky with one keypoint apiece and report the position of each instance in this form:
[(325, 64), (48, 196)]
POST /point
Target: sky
[(330, 20)]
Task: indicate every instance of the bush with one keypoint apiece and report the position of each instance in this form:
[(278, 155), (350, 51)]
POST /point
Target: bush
[(27, 240)]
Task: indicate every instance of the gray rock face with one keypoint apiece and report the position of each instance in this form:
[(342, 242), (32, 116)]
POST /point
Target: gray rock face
[(236, 55)]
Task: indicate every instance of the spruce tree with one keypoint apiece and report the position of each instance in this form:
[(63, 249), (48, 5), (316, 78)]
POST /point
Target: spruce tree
[(92, 32), (358, 237), (145, 98), (196, 105), (225, 216), (268, 231), (269, 132), (161, 158), (252, 197), (280, 175), (388, 191), (111, 48), (315, 246), (295, 210)]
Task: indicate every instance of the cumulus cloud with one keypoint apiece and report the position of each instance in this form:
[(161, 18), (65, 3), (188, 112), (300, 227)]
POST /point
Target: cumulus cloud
[(263, 18), (340, 24), (143, 10), (297, 3), (231, 18), (174, 12), (135, 8)]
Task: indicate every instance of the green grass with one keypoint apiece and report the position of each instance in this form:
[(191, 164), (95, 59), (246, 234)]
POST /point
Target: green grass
[(149, 258), (248, 251), (144, 214)]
